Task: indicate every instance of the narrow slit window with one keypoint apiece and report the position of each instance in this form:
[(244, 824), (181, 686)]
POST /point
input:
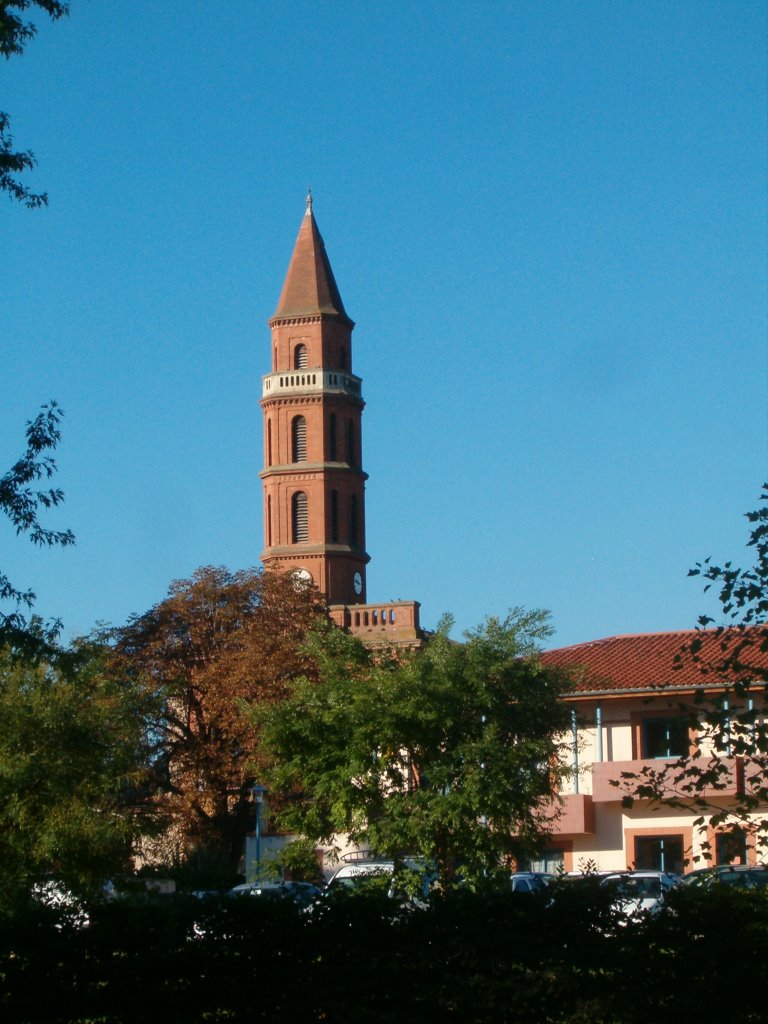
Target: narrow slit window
[(299, 518), (332, 437), (351, 443), (353, 531), (334, 517), (299, 439)]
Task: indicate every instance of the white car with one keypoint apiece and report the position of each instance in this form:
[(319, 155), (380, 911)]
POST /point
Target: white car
[(362, 874), (640, 891), (413, 886)]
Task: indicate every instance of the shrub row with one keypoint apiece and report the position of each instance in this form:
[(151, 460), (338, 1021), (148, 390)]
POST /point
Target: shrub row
[(470, 959)]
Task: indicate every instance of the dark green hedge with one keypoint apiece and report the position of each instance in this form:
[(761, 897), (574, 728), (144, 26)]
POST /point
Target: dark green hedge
[(467, 959)]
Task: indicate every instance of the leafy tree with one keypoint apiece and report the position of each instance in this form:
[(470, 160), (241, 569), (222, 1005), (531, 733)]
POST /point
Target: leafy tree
[(71, 759), (218, 639), (730, 710), (449, 753), (21, 502), (15, 33)]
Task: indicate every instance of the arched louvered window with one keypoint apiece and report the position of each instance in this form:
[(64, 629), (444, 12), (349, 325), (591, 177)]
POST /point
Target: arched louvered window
[(334, 517), (342, 358), (351, 443), (299, 439), (269, 520), (299, 518), (332, 437), (300, 357), (353, 530)]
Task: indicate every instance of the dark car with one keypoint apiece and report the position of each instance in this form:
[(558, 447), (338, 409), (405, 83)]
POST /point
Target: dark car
[(302, 894), (530, 881), (741, 876)]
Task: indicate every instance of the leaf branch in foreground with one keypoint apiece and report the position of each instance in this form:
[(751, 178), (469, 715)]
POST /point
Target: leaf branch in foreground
[(15, 33), (725, 776), (21, 503)]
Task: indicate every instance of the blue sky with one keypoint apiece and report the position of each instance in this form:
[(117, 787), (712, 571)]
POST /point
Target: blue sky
[(547, 219)]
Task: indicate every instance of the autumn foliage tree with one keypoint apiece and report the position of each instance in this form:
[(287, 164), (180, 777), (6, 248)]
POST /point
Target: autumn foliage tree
[(220, 640)]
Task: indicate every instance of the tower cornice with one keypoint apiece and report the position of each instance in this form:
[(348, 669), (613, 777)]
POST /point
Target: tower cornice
[(300, 471), (294, 321)]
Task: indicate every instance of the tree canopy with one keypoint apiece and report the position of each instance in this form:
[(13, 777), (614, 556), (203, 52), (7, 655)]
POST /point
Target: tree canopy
[(218, 640), (450, 753), (72, 759)]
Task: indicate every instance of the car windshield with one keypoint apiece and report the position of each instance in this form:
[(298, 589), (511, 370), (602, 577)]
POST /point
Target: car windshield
[(634, 887), (365, 880)]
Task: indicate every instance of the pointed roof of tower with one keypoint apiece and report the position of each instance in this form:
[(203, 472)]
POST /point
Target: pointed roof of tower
[(310, 287)]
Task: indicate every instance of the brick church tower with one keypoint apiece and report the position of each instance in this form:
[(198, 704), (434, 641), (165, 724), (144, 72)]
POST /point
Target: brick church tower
[(314, 484)]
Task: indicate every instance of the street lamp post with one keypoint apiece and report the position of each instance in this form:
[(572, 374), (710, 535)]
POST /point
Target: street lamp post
[(258, 799)]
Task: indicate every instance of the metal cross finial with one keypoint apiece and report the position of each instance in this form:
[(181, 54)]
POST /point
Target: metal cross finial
[(309, 199)]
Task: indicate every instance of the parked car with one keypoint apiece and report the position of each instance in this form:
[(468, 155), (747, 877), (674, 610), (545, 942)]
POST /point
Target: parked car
[(530, 881), (638, 892), (56, 896), (412, 886), (362, 875), (739, 875), (302, 894)]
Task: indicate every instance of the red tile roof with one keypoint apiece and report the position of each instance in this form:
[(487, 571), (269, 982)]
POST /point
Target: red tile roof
[(645, 661)]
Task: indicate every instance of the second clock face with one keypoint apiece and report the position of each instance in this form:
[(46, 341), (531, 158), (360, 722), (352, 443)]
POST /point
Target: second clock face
[(357, 582)]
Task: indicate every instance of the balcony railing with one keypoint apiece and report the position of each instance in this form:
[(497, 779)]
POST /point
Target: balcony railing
[(289, 382)]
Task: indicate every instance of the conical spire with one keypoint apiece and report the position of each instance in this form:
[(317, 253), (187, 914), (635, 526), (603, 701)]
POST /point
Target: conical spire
[(310, 287)]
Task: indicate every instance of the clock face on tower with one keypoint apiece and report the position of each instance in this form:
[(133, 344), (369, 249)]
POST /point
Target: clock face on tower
[(301, 578), (357, 582)]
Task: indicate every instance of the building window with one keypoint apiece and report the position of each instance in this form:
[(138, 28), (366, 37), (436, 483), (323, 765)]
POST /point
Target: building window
[(269, 520), (351, 443), (334, 517), (731, 847), (332, 437), (550, 861), (269, 442), (660, 853), (353, 531), (300, 357), (299, 518), (664, 737), (299, 439), (342, 358)]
